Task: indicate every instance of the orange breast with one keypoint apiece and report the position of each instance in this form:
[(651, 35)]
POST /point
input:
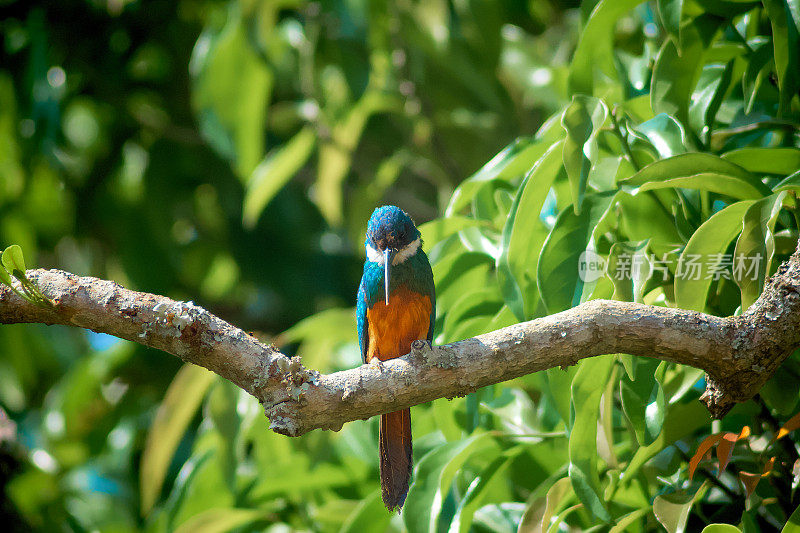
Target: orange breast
[(393, 327)]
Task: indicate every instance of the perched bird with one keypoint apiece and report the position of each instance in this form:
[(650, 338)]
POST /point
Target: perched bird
[(396, 306)]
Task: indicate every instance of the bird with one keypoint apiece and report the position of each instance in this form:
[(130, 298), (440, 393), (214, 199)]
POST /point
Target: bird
[(396, 305)]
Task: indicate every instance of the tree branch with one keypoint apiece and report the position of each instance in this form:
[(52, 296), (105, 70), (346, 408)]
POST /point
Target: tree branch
[(739, 353)]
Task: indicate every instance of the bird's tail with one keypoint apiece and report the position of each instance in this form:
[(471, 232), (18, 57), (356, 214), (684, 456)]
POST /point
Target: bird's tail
[(395, 449)]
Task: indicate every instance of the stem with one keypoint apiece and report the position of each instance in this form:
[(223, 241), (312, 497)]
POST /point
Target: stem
[(623, 140)]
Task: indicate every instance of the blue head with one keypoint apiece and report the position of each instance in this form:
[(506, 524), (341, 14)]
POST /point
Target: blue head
[(392, 238)]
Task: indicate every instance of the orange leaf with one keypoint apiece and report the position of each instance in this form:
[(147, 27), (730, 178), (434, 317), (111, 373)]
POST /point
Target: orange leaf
[(704, 447), (789, 426), (750, 480), (725, 448), (768, 467)]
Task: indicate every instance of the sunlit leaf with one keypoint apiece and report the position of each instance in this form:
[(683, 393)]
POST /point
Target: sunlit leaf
[(792, 424), (759, 160), (583, 439), (708, 96), (539, 512), (784, 16), (369, 517), (13, 261), (558, 275), (232, 87), (514, 161), (676, 72), (755, 247), (432, 477), (669, 11), (703, 255), (335, 155), (720, 528), (643, 401), (479, 491), (793, 524), (220, 520), (441, 228), (274, 172), (176, 411), (665, 134), (672, 510), (697, 171), (594, 50), (524, 234), (581, 120)]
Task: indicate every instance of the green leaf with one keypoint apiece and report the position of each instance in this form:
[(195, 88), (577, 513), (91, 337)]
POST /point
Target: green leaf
[(493, 475), (708, 96), (629, 269), (644, 217), (499, 517), (789, 183), (432, 478), (582, 119), (672, 510), (475, 303), (793, 524), (321, 335), (665, 134), (513, 410), (369, 517), (721, 528), (558, 274), (681, 419), (439, 229), (176, 411), (701, 171), (540, 511), (761, 160), (524, 234), (221, 520), (232, 87), (275, 171), (757, 73), (587, 388), (669, 11), (643, 401), (784, 16), (709, 242), (335, 155), (629, 519), (755, 247), (595, 46), (512, 162), (5, 277), (676, 72), (458, 272), (14, 261), (559, 388)]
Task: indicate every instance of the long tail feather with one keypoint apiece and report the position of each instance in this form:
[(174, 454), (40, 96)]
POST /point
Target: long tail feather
[(395, 448)]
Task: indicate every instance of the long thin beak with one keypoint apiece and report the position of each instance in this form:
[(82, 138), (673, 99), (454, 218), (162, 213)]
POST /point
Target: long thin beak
[(387, 261)]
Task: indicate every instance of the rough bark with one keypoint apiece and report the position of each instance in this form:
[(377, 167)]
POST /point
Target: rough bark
[(739, 353)]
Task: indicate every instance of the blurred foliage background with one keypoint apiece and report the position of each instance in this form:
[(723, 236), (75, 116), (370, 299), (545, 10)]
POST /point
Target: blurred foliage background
[(230, 152)]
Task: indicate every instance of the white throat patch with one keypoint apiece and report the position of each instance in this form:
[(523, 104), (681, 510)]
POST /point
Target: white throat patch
[(407, 251)]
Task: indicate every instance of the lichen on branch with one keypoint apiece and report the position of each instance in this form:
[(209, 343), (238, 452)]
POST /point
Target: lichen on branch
[(739, 353)]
